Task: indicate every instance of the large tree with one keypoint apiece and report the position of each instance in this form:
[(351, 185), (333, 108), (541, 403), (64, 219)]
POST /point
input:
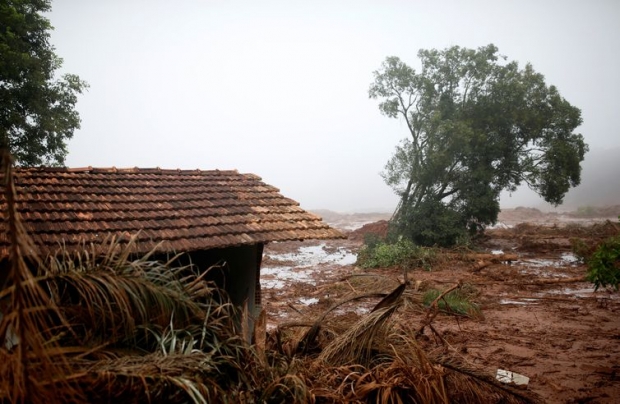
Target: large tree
[(478, 125), (37, 108)]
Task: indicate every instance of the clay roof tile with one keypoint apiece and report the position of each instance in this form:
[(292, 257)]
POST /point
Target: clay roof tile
[(186, 209)]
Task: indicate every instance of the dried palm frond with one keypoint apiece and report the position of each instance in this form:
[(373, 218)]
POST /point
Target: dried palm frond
[(289, 388), (136, 302), (408, 374), (109, 307), (308, 340), (32, 369), (394, 382), (393, 298), (151, 378), (357, 344)]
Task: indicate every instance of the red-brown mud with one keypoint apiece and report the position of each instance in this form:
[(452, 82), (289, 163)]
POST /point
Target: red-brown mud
[(539, 317)]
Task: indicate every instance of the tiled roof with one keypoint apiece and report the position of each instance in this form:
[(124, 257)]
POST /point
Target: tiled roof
[(186, 209)]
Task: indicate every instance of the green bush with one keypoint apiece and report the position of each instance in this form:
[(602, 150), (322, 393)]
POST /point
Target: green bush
[(604, 264), (381, 254)]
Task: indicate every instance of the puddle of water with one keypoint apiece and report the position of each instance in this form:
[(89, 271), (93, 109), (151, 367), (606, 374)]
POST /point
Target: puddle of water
[(500, 225), (569, 258), (521, 302), (539, 262), (308, 301), (306, 262), (271, 284), (316, 255), (278, 277), (547, 267), (581, 292), (563, 292), (544, 267), (359, 310), (544, 274), (566, 259)]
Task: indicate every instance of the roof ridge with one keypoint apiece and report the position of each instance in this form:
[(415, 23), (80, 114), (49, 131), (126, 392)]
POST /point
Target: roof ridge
[(131, 170)]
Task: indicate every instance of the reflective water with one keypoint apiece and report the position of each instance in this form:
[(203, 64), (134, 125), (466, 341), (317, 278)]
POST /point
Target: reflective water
[(315, 255), (306, 262)]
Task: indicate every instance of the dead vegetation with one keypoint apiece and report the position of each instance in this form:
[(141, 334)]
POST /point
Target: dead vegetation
[(376, 358)]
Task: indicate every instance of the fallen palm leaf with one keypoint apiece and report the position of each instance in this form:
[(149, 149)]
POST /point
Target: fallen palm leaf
[(392, 298), (356, 344), (310, 336)]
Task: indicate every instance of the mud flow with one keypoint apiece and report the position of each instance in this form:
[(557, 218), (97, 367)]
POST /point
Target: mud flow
[(538, 316)]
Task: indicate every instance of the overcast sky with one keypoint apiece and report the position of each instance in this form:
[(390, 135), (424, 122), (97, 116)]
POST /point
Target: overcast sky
[(280, 88)]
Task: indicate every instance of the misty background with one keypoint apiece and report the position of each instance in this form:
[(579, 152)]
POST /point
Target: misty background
[(280, 88)]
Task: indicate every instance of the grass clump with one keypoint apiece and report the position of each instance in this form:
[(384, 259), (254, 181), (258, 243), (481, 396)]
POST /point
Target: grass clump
[(381, 254), (458, 302)]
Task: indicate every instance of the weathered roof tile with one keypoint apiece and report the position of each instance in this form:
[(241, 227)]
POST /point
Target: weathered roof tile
[(185, 209)]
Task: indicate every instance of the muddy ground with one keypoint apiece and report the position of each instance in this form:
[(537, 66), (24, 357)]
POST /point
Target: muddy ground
[(539, 318)]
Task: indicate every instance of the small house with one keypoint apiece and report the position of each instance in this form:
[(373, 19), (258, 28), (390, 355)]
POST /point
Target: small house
[(210, 216)]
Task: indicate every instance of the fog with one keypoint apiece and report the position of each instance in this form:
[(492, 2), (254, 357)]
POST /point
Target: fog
[(600, 185), (280, 88)]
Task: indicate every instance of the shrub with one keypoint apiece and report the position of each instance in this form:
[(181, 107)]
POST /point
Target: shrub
[(604, 264), (402, 252)]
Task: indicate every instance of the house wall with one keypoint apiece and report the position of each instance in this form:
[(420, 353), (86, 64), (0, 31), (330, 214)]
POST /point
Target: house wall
[(239, 277)]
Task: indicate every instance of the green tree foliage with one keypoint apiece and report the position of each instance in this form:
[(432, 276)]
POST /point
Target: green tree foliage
[(37, 112), (478, 125)]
